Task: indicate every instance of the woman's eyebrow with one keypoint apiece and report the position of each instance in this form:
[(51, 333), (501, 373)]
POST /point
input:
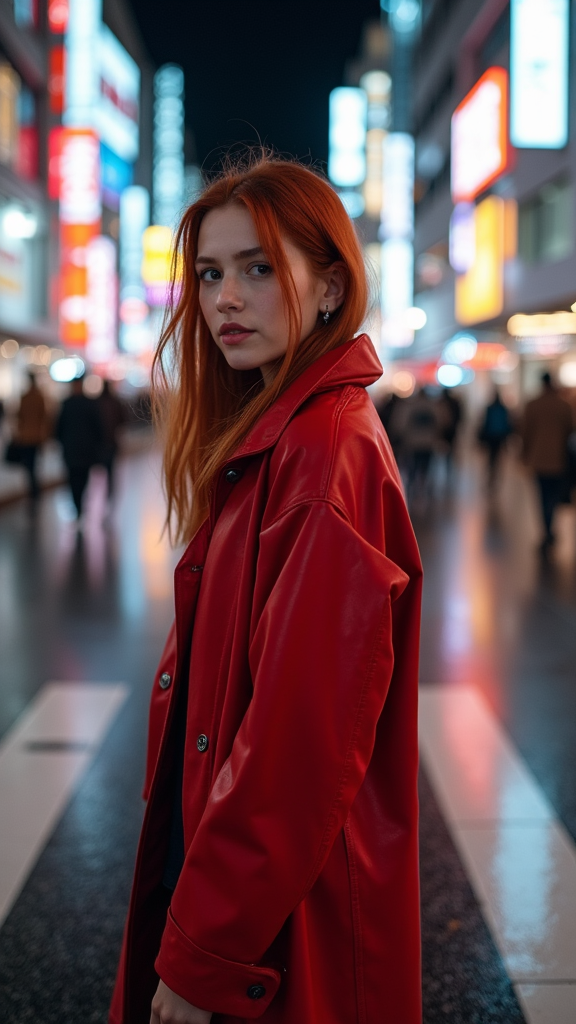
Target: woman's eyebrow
[(244, 254)]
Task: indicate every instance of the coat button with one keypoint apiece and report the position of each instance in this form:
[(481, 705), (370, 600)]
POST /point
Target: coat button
[(202, 743), (165, 681), (256, 992), (233, 476)]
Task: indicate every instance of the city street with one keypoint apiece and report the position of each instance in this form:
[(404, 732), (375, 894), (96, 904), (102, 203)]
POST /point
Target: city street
[(89, 611)]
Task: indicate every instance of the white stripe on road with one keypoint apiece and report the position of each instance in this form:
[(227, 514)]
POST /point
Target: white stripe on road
[(42, 759), (519, 858)]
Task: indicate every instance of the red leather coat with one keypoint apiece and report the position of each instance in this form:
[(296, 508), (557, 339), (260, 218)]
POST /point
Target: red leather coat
[(297, 624)]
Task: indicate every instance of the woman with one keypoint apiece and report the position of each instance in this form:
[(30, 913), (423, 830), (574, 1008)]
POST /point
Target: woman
[(277, 870)]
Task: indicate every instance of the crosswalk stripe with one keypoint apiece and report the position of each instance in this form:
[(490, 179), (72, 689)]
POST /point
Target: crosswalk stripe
[(42, 759), (519, 858)]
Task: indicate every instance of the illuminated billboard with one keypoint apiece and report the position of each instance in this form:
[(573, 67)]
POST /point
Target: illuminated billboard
[(479, 294), (80, 212), (347, 137), (102, 299), (116, 112), (540, 31), (82, 80), (397, 292), (157, 263), (398, 191), (462, 237), (168, 165), (135, 335), (479, 136), (397, 230), (378, 87)]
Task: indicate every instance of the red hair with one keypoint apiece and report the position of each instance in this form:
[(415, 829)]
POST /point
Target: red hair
[(206, 408)]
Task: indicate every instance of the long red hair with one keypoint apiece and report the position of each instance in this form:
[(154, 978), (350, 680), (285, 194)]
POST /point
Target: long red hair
[(204, 407)]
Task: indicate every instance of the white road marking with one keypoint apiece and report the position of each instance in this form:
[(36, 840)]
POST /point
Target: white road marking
[(42, 759), (519, 857)]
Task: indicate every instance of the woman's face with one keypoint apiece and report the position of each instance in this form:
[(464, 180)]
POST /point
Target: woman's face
[(240, 295)]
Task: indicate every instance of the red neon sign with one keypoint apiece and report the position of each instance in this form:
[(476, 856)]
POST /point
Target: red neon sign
[(481, 151)]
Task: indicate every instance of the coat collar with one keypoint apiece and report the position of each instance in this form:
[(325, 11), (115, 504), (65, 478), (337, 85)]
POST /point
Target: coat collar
[(354, 362)]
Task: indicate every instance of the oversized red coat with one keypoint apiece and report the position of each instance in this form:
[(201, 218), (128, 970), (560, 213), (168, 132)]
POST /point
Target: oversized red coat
[(296, 634)]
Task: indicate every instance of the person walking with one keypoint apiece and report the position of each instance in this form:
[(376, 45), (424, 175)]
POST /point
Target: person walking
[(389, 411), (112, 417), (493, 434), (32, 429), (79, 431), (547, 424), (449, 411), (419, 427), (277, 871)]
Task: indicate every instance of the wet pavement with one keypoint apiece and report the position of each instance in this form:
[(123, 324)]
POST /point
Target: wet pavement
[(95, 608)]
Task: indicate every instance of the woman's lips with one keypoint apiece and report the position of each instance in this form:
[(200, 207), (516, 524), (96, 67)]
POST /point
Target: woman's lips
[(235, 335)]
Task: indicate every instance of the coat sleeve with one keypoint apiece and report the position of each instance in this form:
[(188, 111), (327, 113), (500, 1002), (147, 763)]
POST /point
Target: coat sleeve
[(321, 660)]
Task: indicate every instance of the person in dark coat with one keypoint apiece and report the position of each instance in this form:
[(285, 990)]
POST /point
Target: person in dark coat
[(450, 411), (494, 432), (79, 430), (112, 417)]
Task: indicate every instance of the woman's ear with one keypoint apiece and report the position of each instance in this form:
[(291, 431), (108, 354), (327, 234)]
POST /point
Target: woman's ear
[(334, 287)]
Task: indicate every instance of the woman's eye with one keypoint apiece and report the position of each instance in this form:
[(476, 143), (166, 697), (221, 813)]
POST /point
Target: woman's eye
[(210, 274), (260, 270)]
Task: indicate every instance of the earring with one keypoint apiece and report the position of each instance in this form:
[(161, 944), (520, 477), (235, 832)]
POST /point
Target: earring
[(326, 316)]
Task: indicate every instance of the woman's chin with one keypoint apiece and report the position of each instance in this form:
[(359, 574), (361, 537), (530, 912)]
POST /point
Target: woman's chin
[(240, 360)]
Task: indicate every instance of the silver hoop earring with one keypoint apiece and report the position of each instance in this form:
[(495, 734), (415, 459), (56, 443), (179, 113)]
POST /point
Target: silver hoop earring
[(326, 316)]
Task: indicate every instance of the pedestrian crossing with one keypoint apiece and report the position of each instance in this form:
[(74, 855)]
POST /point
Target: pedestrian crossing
[(518, 857)]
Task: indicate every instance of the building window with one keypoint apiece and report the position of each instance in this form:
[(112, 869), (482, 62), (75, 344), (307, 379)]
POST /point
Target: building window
[(545, 224)]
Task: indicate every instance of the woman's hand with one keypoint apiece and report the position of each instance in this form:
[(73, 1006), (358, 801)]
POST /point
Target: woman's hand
[(169, 1008)]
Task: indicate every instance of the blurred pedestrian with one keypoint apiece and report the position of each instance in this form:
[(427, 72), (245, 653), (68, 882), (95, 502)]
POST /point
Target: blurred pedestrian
[(546, 428), (32, 429), (493, 434), (449, 409), (113, 416), (283, 730), (419, 426), (79, 431), (387, 409)]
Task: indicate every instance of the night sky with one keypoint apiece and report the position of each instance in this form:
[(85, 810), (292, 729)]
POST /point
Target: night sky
[(256, 68)]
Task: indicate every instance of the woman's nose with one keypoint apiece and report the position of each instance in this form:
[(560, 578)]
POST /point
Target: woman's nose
[(229, 296)]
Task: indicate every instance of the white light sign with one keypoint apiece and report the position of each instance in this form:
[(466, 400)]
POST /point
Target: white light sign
[(347, 137), (116, 112), (168, 171), (82, 67), (80, 177), (397, 295), (135, 332), (397, 228), (398, 192), (102, 289), (462, 238), (540, 31)]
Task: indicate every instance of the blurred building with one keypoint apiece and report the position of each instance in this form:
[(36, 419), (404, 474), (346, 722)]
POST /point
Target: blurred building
[(495, 172), (38, 76)]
